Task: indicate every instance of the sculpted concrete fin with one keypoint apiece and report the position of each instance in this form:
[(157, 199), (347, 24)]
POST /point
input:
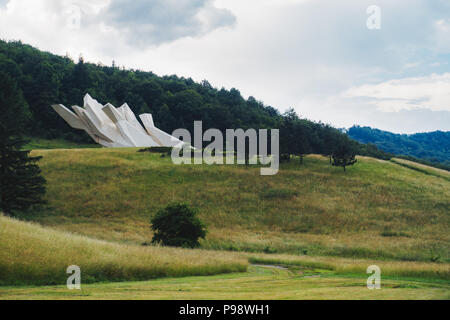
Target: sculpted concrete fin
[(115, 127), (71, 118), (163, 138)]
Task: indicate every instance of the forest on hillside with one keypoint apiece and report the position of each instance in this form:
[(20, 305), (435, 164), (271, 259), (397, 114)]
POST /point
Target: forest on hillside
[(176, 102), (431, 146)]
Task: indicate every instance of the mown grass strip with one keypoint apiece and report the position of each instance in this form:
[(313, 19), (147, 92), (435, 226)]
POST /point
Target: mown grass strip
[(344, 266), (422, 168)]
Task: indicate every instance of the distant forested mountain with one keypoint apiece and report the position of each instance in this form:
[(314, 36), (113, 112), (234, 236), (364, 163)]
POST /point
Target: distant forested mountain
[(176, 102), (431, 146)]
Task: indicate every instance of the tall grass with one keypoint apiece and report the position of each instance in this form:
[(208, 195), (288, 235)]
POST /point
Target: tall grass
[(30, 254), (112, 194)]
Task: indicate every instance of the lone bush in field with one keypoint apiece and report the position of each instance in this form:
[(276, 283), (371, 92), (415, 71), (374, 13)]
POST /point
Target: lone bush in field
[(177, 225), (344, 155)]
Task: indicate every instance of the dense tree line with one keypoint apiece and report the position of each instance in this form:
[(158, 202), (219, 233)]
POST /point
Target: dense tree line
[(175, 102)]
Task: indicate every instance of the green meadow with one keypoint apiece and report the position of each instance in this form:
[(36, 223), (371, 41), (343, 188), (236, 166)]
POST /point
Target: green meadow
[(260, 282), (377, 209), (323, 226)]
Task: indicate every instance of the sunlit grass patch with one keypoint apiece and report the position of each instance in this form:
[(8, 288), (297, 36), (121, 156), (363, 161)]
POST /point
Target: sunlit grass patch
[(422, 168), (30, 254)]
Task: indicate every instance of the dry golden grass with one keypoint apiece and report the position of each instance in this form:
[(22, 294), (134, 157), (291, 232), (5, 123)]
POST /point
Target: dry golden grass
[(378, 209), (30, 254), (423, 168)]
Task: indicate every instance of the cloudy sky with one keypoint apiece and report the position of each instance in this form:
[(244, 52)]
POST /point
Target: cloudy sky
[(318, 56)]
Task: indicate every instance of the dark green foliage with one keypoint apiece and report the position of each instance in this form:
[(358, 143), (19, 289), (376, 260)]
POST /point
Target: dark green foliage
[(175, 102), (344, 160), (177, 225), (345, 154), (389, 233), (297, 135), (284, 157), (21, 184), (269, 250), (167, 150), (371, 150), (279, 194)]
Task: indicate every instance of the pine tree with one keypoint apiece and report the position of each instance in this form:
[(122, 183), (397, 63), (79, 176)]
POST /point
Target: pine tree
[(21, 183)]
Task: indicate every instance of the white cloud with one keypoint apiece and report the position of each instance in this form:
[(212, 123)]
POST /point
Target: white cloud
[(430, 92)]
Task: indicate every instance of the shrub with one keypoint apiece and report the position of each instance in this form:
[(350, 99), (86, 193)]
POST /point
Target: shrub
[(285, 158), (177, 225), (344, 156), (389, 233)]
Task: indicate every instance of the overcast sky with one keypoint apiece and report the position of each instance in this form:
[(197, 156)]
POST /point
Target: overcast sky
[(317, 56)]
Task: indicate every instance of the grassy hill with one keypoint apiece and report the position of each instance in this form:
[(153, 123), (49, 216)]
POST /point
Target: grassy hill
[(378, 209), (30, 254), (423, 168), (309, 232)]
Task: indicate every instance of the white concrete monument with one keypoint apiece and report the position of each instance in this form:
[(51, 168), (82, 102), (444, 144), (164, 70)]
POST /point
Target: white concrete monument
[(115, 127)]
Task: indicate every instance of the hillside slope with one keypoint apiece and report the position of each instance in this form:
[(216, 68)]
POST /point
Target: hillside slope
[(30, 254), (378, 209)]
